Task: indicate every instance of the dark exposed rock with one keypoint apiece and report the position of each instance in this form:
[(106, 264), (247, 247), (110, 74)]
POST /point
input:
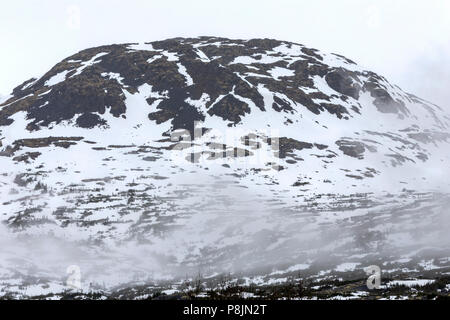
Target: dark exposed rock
[(288, 145), (341, 81), (337, 110), (383, 100), (281, 105), (44, 142), (353, 149), (311, 52), (396, 138), (422, 156), (182, 114), (229, 108), (90, 120), (22, 180), (63, 142), (150, 158), (398, 159), (320, 146), (429, 137), (354, 176), (300, 184), (27, 156)]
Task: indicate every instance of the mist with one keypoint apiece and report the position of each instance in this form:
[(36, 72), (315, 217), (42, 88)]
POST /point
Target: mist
[(236, 231), (427, 76)]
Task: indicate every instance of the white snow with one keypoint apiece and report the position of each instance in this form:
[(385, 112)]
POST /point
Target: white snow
[(292, 50), (297, 267), (409, 283), (337, 62), (171, 56), (58, 78), (278, 72), (348, 266), (89, 63), (266, 59), (44, 93), (428, 264), (200, 104), (4, 98), (141, 46), (183, 71), (23, 98), (154, 58), (202, 56), (29, 84), (115, 76)]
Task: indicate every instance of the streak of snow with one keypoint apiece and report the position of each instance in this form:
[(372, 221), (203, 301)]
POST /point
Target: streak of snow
[(89, 63), (58, 78), (183, 71)]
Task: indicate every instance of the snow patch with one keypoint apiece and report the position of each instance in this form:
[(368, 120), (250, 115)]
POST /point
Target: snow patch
[(89, 63), (115, 76), (409, 283), (141, 47), (265, 59), (154, 58), (348, 266), (183, 71), (29, 84), (58, 78), (278, 72), (202, 56)]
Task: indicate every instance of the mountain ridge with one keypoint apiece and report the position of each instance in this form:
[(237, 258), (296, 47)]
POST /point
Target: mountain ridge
[(338, 78)]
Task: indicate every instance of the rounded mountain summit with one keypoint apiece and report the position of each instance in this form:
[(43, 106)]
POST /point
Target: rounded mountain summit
[(334, 120)]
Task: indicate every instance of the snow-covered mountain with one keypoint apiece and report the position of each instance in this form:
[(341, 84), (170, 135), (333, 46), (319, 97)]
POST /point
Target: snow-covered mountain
[(96, 150)]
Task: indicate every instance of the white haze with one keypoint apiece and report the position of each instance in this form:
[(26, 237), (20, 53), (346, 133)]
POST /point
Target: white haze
[(238, 233)]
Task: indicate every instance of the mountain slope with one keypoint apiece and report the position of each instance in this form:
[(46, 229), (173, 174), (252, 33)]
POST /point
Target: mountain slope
[(97, 149), (307, 98)]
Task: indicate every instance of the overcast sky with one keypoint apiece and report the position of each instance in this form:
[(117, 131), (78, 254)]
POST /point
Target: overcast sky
[(406, 41)]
